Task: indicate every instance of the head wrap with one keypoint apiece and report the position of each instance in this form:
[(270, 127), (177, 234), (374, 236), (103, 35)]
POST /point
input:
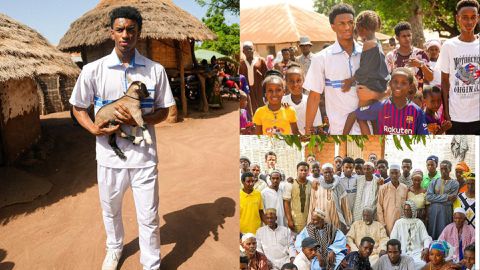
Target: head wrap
[(327, 165), (440, 245), (459, 210), (394, 166), (369, 164), (434, 158), (469, 176), (247, 236), (462, 166), (417, 171), (433, 42), (413, 207)]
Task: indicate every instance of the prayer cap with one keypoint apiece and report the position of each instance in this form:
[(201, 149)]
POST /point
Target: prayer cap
[(271, 210), (309, 243), (247, 236), (394, 166), (245, 158), (248, 44), (327, 165), (463, 166), (369, 163), (434, 158), (305, 41), (459, 210), (320, 213)]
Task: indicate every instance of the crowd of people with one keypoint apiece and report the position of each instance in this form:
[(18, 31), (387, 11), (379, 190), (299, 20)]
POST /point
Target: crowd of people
[(357, 214), (353, 87)]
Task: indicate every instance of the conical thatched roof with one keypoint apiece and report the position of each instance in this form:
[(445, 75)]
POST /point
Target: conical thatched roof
[(25, 53), (161, 20)]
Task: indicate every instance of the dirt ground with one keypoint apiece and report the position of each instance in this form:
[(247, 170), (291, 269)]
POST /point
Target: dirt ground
[(198, 163)]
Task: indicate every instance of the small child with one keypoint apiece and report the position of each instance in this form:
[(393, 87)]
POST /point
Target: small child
[(433, 99), (216, 97), (274, 118), (245, 125), (371, 75), (296, 98), (399, 115)]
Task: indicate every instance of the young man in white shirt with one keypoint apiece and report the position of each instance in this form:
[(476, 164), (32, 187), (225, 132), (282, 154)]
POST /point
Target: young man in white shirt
[(100, 83), (459, 62)]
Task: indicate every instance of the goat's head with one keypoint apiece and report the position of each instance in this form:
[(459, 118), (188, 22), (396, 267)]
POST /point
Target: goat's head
[(139, 88)]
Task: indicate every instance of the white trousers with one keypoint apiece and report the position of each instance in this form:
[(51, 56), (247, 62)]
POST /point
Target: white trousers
[(112, 184)]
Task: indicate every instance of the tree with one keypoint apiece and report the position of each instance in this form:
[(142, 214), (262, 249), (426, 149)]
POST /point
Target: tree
[(220, 6), (317, 141), (436, 15), (228, 42)]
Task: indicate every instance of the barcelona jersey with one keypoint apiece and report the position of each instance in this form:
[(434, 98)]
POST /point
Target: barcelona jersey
[(410, 120)]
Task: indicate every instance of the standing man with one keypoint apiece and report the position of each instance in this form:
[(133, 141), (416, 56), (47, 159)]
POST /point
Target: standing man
[(459, 62), (306, 58), (329, 68), (391, 197), (367, 190), (103, 81), (272, 197), (296, 199), (286, 61), (251, 205), (254, 69), (406, 178), (349, 181)]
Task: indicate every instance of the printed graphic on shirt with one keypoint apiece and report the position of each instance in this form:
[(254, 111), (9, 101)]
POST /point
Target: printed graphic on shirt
[(467, 71)]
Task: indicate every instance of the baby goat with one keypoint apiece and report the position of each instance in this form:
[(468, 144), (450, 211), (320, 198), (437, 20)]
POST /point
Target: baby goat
[(131, 100)]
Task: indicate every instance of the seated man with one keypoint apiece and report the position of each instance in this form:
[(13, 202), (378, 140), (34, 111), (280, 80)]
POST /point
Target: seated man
[(275, 241), (256, 260), (303, 261), (359, 260), (368, 227), (332, 242), (411, 232), (395, 259)]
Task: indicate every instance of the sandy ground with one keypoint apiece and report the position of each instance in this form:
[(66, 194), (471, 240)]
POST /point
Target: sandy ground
[(198, 194)]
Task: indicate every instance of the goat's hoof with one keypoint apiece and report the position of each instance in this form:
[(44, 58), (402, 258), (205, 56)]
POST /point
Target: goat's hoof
[(138, 140), (148, 141)]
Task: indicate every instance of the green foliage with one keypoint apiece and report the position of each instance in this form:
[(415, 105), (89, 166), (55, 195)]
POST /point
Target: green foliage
[(438, 15), (228, 42), (318, 141), (220, 6)]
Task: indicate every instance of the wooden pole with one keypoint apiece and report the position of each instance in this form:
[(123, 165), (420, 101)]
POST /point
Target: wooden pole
[(201, 77), (179, 52)]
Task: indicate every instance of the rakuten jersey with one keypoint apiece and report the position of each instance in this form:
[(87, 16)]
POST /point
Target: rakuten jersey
[(410, 120)]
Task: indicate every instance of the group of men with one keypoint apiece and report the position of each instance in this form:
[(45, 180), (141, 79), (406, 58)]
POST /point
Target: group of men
[(355, 214), (452, 67)]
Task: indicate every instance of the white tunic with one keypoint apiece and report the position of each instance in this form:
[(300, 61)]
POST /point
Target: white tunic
[(276, 244)]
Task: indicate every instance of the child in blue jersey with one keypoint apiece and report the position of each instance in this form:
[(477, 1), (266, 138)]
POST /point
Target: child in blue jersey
[(372, 73), (398, 115)]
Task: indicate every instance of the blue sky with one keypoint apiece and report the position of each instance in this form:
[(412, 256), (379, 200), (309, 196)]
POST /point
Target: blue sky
[(52, 18)]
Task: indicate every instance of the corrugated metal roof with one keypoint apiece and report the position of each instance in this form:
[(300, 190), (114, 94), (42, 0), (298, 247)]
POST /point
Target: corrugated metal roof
[(284, 23)]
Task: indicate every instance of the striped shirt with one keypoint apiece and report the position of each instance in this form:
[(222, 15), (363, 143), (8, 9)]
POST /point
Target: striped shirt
[(409, 120)]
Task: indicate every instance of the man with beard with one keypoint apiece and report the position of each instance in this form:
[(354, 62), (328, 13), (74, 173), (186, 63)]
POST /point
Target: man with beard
[(411, 232), (458, 234), (331, 242), (367, 188), (330, 197), (395, 259), (368, 227), (275, 241), (256, 260), (296, 199), (272, 197), (359, 260), (391, 197)]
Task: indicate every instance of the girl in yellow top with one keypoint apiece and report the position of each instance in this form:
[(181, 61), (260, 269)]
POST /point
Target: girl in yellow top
[(274, 118)]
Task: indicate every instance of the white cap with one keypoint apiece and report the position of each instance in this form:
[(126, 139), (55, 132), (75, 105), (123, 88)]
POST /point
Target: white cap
[(305, 41), (327, 165), (394, 166), (370, 164), (248, 44), (459, 210), (247, 236)]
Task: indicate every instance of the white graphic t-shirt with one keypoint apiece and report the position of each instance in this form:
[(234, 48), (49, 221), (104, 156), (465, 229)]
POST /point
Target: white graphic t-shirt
[(461, 60)]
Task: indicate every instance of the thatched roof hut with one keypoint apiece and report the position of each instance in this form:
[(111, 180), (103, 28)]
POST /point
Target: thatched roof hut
[(168, 35), (25, 56)]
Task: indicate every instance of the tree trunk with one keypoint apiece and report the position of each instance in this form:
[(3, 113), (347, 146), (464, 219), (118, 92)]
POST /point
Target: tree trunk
[(416, 20)]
